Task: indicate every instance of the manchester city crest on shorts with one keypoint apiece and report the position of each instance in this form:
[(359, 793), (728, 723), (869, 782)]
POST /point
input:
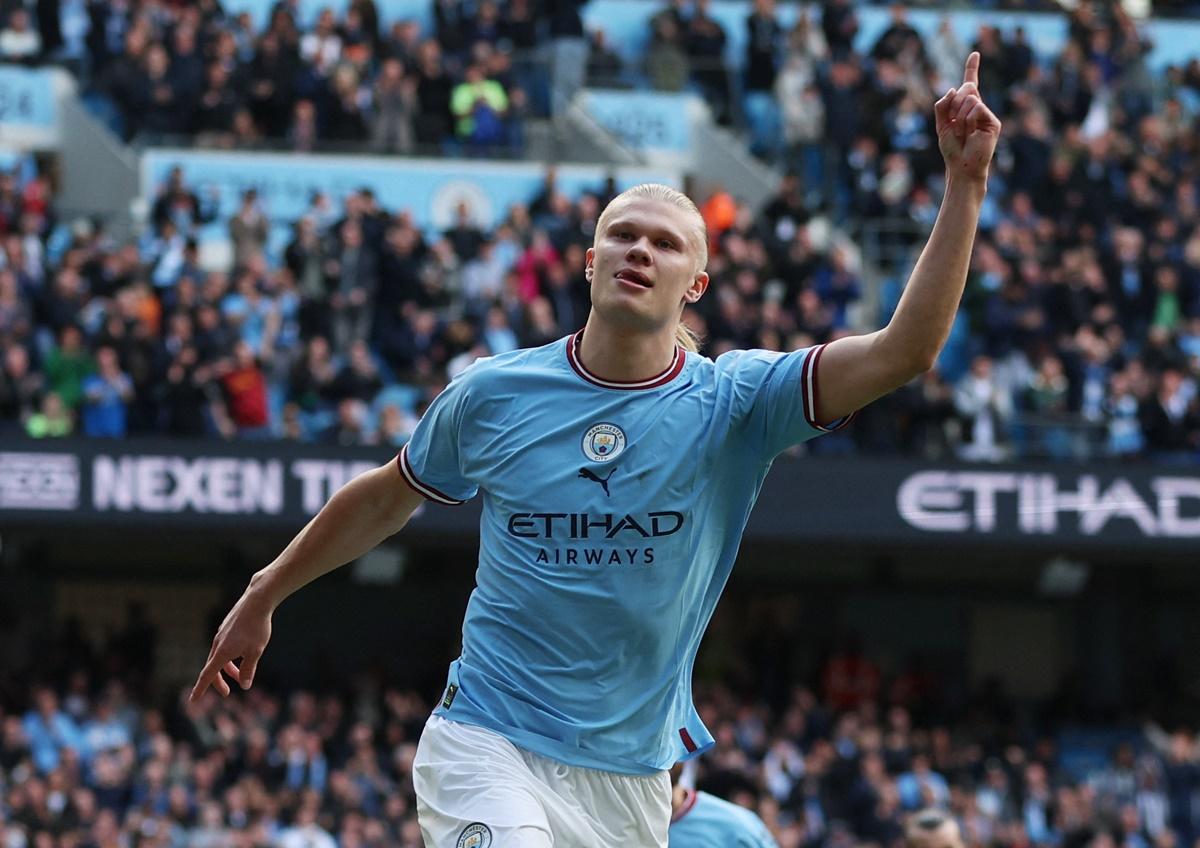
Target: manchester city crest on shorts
[(603, 442), (475, 835)]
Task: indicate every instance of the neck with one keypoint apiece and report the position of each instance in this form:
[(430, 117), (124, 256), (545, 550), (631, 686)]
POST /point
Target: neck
[(616, 353)]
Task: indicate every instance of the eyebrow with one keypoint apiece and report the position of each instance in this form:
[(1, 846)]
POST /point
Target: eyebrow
[(658, 229)]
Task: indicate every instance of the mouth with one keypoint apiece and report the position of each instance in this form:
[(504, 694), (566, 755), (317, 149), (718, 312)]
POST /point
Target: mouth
[(633, 277)]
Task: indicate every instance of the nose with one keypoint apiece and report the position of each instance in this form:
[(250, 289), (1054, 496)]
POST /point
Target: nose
[(639, 251)]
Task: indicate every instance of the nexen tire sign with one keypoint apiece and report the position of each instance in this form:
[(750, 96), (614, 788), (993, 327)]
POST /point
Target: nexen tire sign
[(287, 484), (1045, 504)]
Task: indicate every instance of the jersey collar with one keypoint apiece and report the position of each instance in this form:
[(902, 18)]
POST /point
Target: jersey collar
[(660, 379)]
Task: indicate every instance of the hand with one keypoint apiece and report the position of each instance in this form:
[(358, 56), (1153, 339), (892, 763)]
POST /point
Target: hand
[(242, 635), (967, 130)]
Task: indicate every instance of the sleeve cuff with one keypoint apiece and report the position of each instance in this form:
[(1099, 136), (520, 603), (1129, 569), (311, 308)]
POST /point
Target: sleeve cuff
[(810, 390), (423, 489)]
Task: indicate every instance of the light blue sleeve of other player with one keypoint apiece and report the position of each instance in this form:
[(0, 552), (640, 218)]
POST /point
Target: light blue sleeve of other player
[(775, 396), (707, 821), (431, 461)]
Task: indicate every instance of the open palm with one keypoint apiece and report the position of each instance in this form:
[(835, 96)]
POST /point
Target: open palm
[(967, 130)]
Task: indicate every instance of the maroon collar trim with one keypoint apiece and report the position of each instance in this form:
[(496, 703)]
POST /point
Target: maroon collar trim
[(654, 382)]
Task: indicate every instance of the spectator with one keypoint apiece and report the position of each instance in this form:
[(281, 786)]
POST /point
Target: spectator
[(353, 287), (395, 102), (667, 66), (248, 230), (986, 408), (604, 67), (395, 426), (218, 103), (16, 317), (53, 420), (19, 41), (1169, 418), (159, 106), (839, 23), (67, 365), (763, 48), (185, 397), (480, 106), (302, 135), (465, 237), (106, 395), (568, 52), (49, 731), (306, 833), (345, 119), (434, 92), (350, 426), (922, 786), (180, 204), (271, 85), (246, 405), (322, 47), (359, 378), (705, 39)]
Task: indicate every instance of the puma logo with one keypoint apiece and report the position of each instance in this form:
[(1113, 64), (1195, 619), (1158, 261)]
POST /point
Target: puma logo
[(588, 474)]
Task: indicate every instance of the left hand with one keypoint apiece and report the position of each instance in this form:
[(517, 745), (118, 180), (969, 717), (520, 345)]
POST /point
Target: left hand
[(967, 130)]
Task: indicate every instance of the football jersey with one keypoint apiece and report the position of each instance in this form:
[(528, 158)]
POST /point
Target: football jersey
[(612, 514), (706, 821)]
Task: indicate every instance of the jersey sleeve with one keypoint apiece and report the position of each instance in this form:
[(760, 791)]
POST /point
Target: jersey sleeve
[(432, 460), (774, 396), (758, 836)]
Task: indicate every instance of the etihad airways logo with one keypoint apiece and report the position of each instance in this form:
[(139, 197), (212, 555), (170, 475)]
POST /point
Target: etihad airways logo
[(583, 525)]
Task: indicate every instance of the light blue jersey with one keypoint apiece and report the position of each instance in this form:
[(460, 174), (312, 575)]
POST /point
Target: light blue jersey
[(612, 514), (706, 821)]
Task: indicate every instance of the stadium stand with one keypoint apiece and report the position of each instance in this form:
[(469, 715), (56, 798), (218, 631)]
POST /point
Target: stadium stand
[(1080, 334), (90, 757)]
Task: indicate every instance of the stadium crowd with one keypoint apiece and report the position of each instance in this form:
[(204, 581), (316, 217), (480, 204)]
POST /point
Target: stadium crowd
[(1080, 333), (90, 758)]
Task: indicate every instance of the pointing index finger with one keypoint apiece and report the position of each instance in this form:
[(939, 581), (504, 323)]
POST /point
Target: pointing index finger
[(971, 71)]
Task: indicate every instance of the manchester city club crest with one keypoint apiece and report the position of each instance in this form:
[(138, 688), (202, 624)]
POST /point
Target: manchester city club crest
[(603, 442), (475, 835)]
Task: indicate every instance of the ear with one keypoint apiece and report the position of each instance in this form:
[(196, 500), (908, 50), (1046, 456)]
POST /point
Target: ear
[(697, 288), (588, 258)]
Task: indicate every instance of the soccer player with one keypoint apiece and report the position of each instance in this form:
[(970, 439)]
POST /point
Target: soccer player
[(618, 469), (700, 820)]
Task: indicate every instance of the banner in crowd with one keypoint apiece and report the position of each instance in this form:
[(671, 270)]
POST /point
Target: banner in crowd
[(28, 106), (160, 484), (658, 124), (431, 189)]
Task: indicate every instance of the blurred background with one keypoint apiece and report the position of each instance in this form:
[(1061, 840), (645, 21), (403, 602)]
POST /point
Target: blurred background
[(244, 243)]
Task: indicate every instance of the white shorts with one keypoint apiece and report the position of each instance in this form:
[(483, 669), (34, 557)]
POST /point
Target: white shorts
[(475, 789)]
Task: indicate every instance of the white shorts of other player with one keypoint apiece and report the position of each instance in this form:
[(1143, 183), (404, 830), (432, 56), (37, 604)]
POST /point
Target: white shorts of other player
[(475, 789)]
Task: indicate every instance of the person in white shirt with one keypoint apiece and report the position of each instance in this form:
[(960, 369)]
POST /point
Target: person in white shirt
[(19, 41)]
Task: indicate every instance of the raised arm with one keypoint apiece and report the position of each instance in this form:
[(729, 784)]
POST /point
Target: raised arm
[(855, 370), (363, 513)]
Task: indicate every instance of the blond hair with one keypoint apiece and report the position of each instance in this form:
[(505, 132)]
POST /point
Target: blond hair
[(685, 337)]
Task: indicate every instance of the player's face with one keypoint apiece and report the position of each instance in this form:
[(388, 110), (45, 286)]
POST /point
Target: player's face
[(644, 265)]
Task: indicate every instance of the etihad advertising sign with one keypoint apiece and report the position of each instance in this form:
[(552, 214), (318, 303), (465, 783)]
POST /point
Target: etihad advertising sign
[(1043, 504), (865, 500)]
